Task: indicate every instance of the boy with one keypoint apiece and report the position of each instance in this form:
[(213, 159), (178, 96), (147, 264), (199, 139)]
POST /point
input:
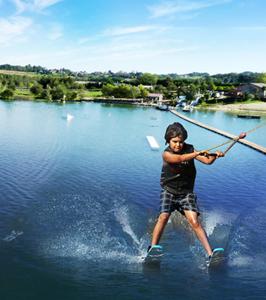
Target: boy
[(177, 182)]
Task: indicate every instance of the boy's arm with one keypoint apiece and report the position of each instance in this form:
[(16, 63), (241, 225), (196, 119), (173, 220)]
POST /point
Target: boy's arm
[(178, 158), (209, 159)]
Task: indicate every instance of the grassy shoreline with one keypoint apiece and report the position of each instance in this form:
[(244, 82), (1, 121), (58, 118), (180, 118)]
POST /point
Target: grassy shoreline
[(256, 107)]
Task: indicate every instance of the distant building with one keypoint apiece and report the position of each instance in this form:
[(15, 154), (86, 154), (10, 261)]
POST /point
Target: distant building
[(82, 81), (258, 89), (148, 87), (155, 97)]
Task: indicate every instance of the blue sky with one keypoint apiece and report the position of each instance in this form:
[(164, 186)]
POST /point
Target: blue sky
[(157, 36)]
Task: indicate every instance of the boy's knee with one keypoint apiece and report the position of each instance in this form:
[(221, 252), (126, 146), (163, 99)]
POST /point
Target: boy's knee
[(164, 217), (194, 223)]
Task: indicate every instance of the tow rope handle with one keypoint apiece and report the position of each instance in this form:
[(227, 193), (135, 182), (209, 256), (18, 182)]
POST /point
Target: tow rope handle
[(242, 135)]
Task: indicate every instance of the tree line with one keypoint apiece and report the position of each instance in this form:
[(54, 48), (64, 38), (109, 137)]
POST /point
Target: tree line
[(230, 78), (66, 85)]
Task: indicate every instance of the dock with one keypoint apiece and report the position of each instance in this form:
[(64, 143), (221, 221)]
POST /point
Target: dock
[(221, 132), (248, 116)]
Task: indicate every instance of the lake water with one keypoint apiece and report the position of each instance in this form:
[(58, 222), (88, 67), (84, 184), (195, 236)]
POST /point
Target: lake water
[(79, 200)]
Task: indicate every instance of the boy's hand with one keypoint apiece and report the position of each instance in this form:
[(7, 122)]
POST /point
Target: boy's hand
[(204, 153), (242, 135), (219, 154)]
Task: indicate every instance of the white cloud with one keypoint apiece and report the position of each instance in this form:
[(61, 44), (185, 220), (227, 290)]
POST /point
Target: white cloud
[(41, 4), (13, 28), (120, 52), (168, 8), (123, 32), (123, 52), (33, 5), (127, 30)]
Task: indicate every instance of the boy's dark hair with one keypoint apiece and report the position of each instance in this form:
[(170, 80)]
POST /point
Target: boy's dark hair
[(174, 130)]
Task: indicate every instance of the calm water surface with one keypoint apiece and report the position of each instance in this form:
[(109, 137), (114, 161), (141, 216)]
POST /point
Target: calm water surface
[(79, 200)]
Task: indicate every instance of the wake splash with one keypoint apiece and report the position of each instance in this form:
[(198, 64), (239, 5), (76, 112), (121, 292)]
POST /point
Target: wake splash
[(122, 216), (113, 232), (247, 243), (100, 230), (217, 225), (93, 229), (214, 219)]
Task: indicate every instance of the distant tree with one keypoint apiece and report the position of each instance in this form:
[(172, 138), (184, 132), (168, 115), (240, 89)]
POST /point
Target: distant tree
[(70, 83), (36, 89), (166, 81), (134, 92), (57, 93), (206, 96), (148, 79), (46, 94), (171, 90), (143, 93), (71, 95), (93, 85), (161, 89), (45, 81), (190, 92), (123, 91), (110, 80), (11, 85), (7, 94), (52, 81), (261, 78), (203, 87), (108, 89), (211, 84), (180, 86), (132, 81)]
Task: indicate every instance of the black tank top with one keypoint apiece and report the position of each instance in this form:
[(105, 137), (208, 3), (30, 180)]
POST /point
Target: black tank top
[(179, 178)]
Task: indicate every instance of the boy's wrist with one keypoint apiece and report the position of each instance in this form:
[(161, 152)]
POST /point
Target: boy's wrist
[(197, 153)]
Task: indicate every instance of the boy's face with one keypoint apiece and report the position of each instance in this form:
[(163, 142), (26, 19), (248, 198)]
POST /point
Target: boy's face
[(176, 144)]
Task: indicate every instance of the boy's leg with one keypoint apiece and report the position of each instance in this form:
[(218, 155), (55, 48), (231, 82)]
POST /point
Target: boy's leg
[(159, 227), (192, 218)]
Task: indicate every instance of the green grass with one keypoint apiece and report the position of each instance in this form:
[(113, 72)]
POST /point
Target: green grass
[(23, 92), (92, 94), (20, 73)]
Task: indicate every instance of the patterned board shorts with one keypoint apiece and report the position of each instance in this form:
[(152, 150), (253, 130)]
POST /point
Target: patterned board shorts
[(170, 202)]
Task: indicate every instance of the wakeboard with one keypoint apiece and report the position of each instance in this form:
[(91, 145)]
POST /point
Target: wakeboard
[(154, 255), (217, 258)]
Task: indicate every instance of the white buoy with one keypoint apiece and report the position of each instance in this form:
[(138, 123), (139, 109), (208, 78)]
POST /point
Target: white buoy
[(152, 142), (69, 117)]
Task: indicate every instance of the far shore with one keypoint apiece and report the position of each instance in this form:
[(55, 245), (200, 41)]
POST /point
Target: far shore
[(250, 108), (245, 108)]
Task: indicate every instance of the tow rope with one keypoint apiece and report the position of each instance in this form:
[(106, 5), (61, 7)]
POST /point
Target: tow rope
[(232, 142)]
